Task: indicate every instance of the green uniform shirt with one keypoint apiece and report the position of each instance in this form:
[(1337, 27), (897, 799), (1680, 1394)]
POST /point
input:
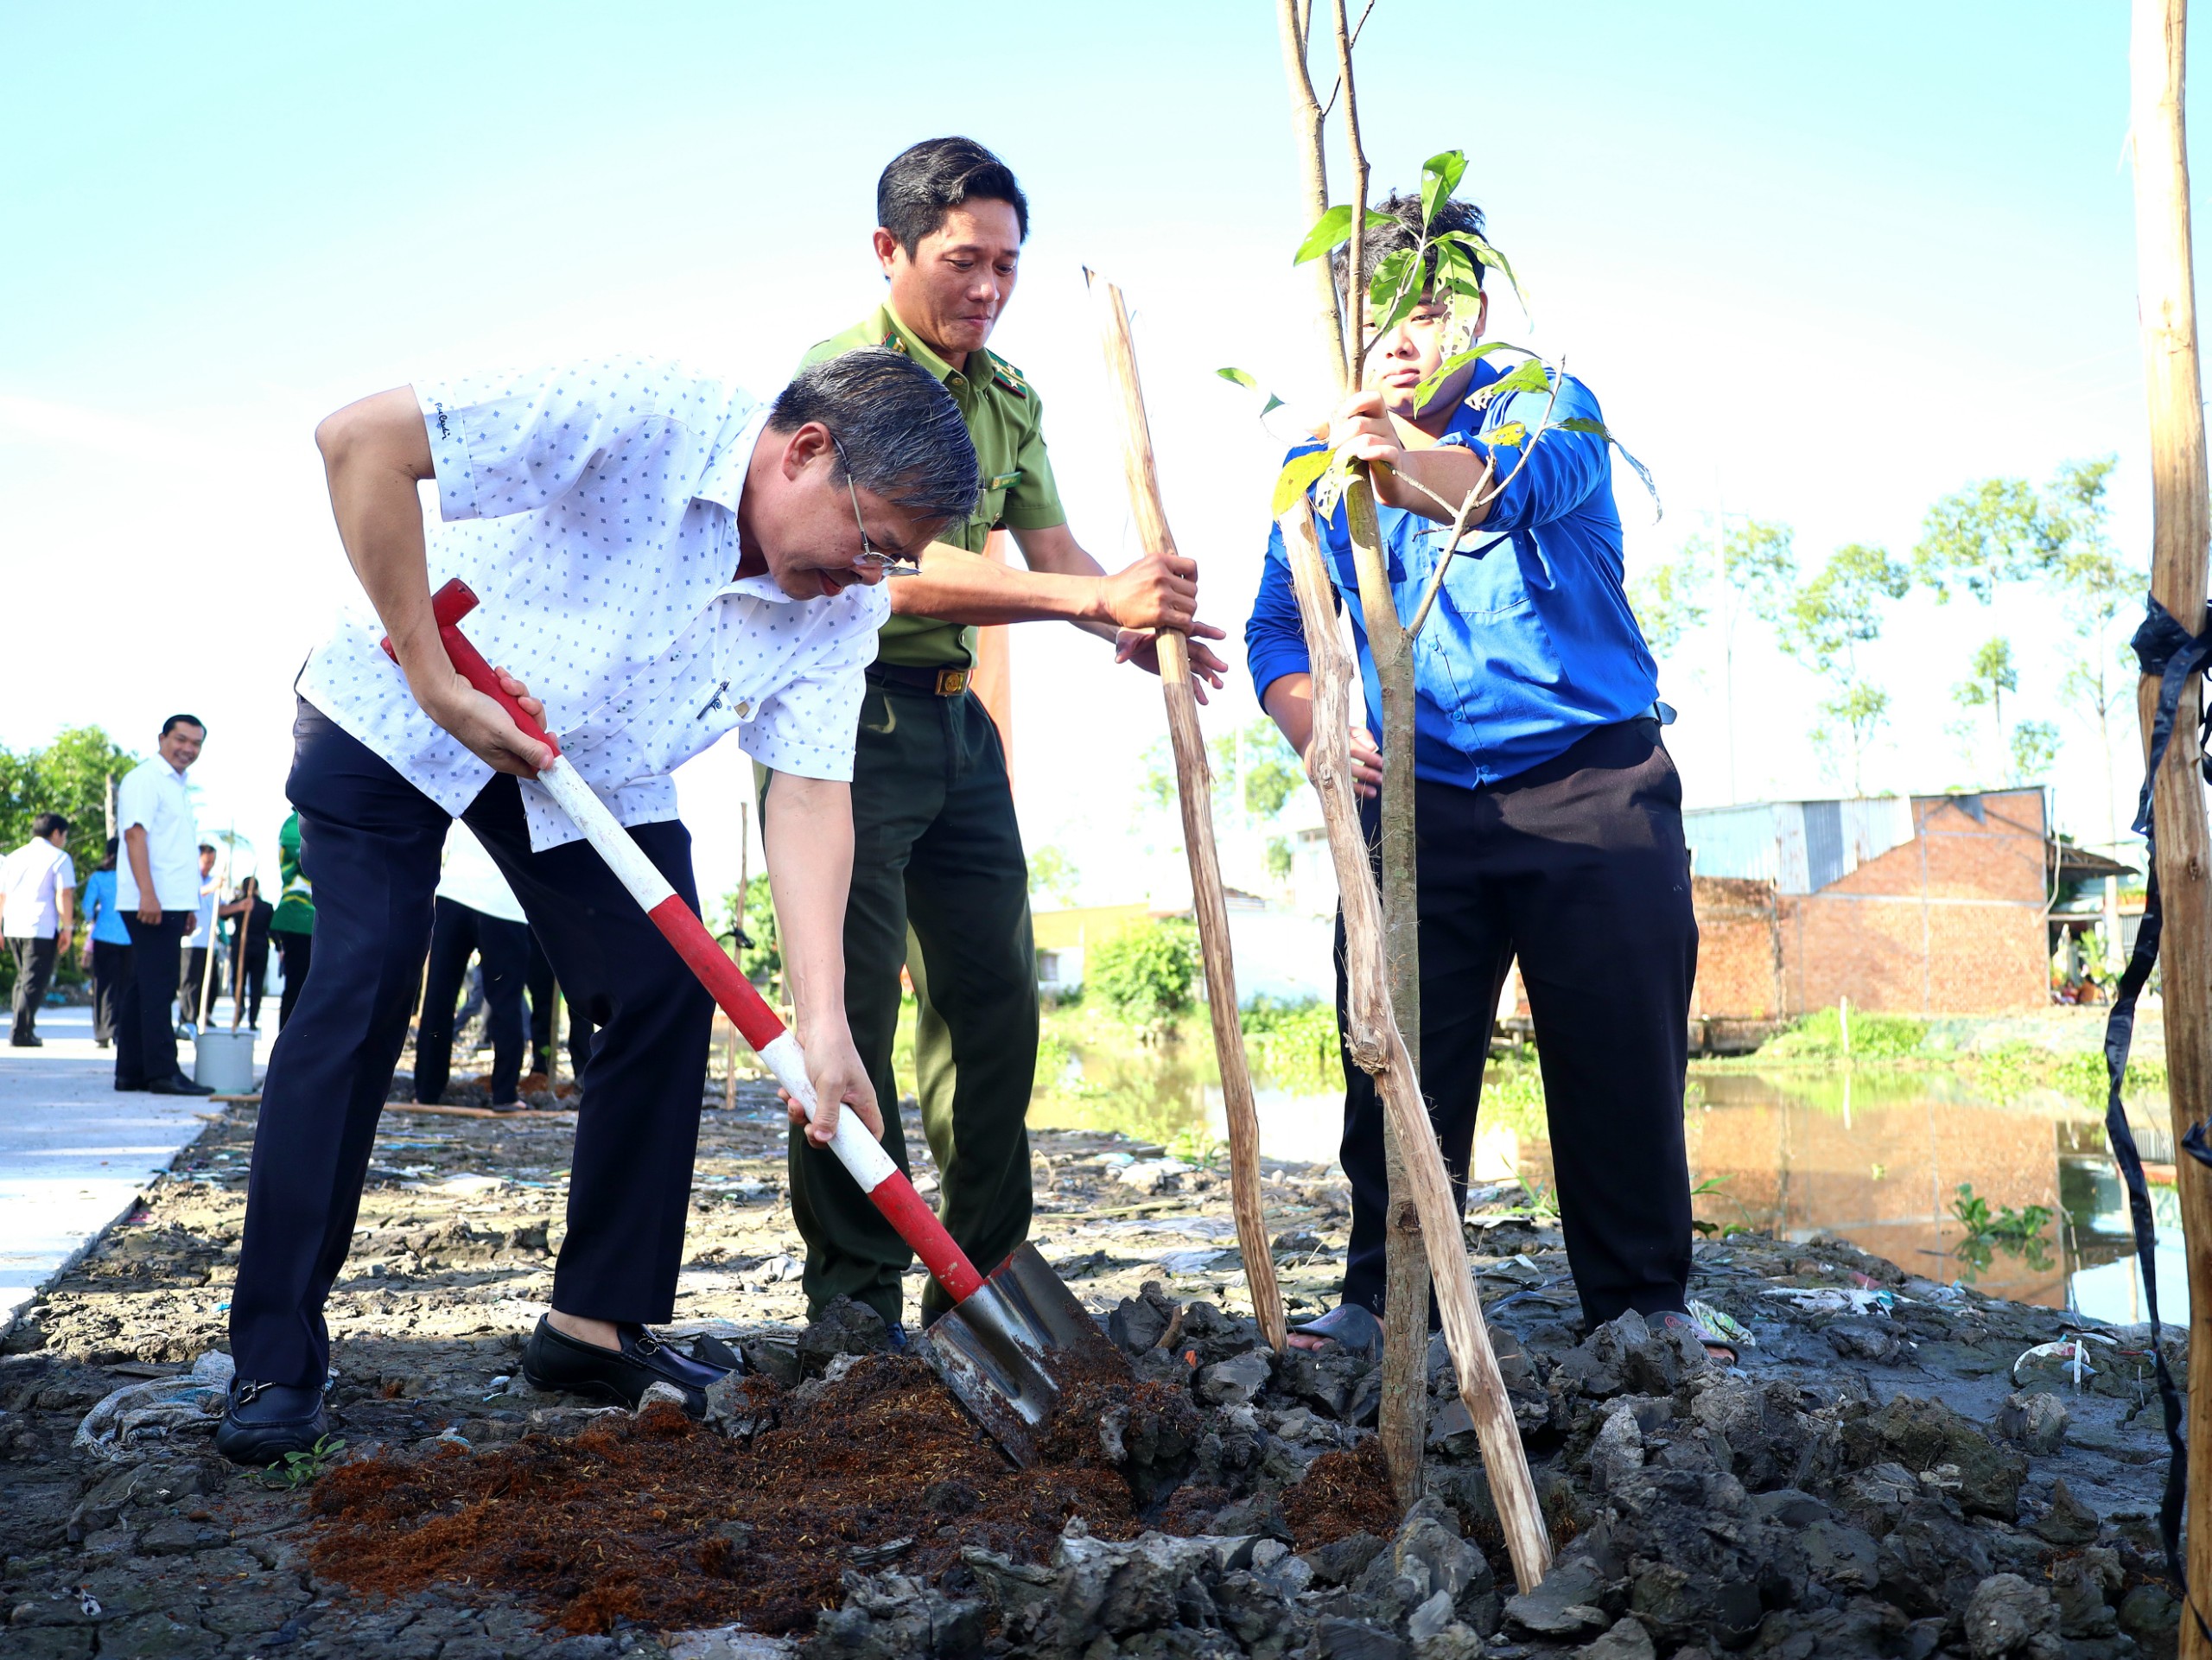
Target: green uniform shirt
[(295, 903), (1008, 425)]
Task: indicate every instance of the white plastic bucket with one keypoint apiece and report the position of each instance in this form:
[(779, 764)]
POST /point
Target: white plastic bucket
[(223, 1061)]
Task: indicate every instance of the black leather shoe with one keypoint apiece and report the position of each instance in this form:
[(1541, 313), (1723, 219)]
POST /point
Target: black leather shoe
[(178, 1084), (263, 1421), (34, 1041), (553, 1360)]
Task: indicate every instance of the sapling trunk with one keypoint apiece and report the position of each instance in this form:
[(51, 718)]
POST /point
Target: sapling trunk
[(2181, 522), (1402, 1415)]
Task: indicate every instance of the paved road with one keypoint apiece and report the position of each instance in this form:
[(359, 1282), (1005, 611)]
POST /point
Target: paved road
[(73, 1153)]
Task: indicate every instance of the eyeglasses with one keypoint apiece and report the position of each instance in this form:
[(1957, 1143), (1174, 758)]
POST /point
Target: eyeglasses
[(875, 558)]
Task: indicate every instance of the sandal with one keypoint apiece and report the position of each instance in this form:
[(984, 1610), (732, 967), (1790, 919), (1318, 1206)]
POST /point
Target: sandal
[(1350, 1327), (1719, 1349)]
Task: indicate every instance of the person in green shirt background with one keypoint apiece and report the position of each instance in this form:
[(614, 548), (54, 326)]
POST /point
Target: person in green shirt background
[(940, 885), (292, 927)]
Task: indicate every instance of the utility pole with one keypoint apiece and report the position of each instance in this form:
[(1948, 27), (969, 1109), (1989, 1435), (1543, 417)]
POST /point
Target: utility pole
[(2181, 529)]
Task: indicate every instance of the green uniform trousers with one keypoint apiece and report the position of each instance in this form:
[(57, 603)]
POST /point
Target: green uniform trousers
[(940, 886)]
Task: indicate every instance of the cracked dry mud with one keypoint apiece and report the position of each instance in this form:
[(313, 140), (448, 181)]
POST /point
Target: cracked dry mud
[(1872, 1481)]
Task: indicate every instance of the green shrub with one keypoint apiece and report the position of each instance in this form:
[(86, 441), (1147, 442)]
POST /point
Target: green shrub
[(1293, 1044), (1819, 1036), (1145, 973)]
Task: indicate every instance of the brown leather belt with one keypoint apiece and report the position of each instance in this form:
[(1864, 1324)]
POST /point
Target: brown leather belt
[(937, 682)]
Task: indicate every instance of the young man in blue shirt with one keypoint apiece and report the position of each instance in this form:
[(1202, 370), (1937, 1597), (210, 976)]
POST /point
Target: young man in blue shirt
[(1548, 813)]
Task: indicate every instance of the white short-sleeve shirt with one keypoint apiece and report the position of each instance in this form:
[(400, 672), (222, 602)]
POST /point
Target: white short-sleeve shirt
[(31, 879), (470, 878), (153, 795), (604, 500)]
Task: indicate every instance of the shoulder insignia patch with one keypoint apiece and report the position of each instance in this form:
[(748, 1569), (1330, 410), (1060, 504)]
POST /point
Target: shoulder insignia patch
[(891, 341), (1006, 375)]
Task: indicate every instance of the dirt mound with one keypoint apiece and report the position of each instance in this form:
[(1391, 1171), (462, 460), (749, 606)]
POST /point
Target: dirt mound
[(661, 1521)]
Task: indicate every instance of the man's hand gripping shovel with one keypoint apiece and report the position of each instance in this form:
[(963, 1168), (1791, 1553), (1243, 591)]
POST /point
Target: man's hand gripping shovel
[(992, 1349)]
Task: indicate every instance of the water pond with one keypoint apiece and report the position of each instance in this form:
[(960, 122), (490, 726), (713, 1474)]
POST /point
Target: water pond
[(1875, 1155)]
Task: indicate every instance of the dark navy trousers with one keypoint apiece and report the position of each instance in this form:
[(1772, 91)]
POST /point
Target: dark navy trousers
[(370, 841), (1577, 868)]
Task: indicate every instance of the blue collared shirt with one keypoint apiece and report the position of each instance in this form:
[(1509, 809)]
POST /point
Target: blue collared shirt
[(99, 905), (1531, 642)]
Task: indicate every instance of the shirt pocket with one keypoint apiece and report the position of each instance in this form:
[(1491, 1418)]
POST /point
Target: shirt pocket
[(1486, 587)]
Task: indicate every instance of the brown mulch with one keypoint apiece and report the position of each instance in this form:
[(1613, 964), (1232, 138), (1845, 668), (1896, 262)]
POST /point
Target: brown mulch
[(1344, 1493), (658, 1520)]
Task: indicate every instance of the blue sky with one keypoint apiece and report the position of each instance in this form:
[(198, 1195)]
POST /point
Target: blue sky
[(1820, 267)]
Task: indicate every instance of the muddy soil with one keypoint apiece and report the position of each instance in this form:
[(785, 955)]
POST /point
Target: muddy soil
[(1872, 1480)]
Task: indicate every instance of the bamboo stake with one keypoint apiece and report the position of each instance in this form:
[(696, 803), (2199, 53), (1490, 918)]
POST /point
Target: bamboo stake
[(238, 965), (2181, 526), (1194, 785), (1372, 1036), (1403, 1417)]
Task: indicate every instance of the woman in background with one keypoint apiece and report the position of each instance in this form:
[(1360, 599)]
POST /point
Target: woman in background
[(107, 947)]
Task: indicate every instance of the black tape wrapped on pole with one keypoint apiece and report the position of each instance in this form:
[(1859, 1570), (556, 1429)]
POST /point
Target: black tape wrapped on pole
[(2171, 654)]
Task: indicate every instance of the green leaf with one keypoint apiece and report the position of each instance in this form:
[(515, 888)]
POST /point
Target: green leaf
[(1396, 289), (1583, 423), (1332, 229), (1439, 177), (1297, 477), (1454, 269), (1527, 377), (1451, 366), (1241, 377), (1507, 434)]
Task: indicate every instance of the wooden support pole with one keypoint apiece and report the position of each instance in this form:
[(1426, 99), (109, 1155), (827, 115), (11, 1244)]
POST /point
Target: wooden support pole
[(1194, 784), (1371, 1034), (2181, 530)]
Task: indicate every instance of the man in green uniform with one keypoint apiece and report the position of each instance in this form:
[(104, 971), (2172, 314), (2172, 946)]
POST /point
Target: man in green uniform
[(940, 882), (293, 926)]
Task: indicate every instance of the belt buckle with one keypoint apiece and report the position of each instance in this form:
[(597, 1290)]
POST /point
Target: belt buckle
[(950, 682)]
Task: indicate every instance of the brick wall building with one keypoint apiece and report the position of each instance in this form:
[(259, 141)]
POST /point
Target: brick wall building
[(1932, 905)]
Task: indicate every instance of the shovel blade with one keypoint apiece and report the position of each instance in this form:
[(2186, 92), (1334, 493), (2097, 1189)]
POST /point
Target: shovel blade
[(998, 1351)]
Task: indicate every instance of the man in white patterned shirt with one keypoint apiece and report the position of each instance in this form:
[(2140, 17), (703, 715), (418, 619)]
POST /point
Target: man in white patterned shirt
[(668, 563)]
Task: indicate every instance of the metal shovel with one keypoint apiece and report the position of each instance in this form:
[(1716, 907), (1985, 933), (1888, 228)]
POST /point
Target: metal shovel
[(994, 1348)]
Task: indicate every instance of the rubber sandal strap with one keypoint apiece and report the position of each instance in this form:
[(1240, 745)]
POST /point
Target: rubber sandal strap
[(1349, 1326)]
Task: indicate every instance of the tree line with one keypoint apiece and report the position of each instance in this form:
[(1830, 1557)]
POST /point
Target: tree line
[(69, 776), (1996, 534)]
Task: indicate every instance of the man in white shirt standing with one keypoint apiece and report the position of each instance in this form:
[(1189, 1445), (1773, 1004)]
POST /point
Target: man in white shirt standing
[(157, 889), (195, 991), (38, 885), (670, 563)]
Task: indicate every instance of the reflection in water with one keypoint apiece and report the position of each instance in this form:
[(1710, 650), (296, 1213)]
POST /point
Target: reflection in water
[(1875, 1156)]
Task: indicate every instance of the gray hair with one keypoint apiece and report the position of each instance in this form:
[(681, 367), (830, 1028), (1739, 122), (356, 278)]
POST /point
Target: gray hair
[(900, 434)]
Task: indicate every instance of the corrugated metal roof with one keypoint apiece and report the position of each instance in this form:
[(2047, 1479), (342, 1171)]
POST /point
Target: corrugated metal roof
[(1799, 846)]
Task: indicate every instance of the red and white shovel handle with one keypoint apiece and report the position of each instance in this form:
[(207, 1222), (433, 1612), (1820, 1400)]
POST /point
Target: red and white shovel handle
[(858, 1150)]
